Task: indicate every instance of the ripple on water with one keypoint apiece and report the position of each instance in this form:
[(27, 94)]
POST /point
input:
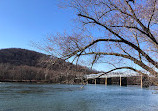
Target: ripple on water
[(48, 97)]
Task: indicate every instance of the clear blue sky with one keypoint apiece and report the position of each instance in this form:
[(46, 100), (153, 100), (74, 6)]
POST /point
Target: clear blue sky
[(23, 21)]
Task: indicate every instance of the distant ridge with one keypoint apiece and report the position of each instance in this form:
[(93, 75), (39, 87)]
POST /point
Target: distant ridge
[(18, 64), (18, 56)]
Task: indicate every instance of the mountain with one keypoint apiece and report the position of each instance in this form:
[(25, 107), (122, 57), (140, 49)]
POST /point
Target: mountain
[(25, 65), (17, 56)]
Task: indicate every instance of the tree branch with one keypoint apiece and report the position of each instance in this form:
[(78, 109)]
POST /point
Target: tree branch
[(152, 15), (138, 62), (92, 43), (131, 27), (123, 40), (141, 24)]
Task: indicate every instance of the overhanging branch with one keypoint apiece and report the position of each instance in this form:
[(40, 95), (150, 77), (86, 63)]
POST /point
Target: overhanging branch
[(149, 34), (130, 27), (138, 62), (123, 40)]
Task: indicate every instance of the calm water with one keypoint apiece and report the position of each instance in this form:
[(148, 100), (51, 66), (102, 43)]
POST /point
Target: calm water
[(50, 97)]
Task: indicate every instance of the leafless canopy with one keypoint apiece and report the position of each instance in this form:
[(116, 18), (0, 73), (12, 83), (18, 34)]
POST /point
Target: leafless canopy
[(119, 33)]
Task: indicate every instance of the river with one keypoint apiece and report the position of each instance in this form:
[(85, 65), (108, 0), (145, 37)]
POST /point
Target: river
[(57, 97)]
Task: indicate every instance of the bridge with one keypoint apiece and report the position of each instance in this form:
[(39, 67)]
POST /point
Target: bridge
[(121, 77)]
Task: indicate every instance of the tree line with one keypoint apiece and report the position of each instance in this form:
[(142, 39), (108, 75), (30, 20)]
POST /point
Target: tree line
[(25, 65)]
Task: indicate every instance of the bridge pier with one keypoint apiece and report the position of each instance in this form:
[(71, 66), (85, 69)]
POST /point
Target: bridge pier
[(123, 81), (106, 80), (141, 81), (95, 81), (120, 80)]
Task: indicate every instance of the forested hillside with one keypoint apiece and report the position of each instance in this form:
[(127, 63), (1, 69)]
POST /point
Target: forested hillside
[(20, 56), (30, 66)]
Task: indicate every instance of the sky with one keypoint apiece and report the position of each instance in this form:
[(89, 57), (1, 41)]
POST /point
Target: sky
[(25, 21)]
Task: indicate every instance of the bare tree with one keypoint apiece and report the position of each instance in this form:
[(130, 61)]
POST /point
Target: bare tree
[(120, 33)]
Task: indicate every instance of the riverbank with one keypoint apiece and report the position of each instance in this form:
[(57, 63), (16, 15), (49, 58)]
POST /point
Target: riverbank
[(72, 81)]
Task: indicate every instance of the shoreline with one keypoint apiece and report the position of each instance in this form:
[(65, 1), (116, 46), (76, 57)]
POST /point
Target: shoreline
[(39, 82)]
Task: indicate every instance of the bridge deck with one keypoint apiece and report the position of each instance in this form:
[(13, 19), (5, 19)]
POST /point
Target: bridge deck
[(110, 75)]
